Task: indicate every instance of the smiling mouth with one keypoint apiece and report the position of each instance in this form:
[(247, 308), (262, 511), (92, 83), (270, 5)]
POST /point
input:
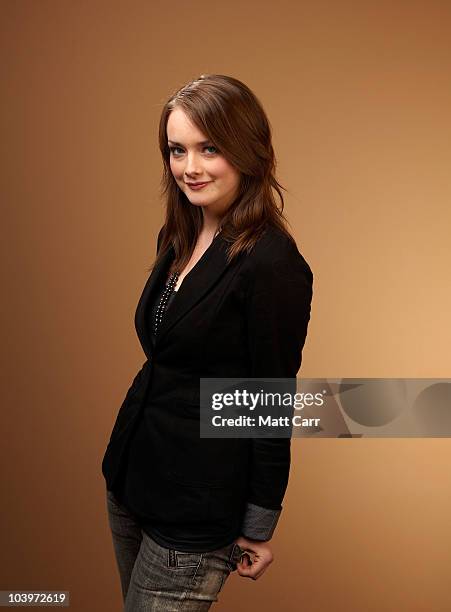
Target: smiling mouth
[(198, 186)]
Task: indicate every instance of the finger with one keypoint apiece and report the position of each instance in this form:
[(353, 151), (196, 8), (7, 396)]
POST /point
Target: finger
[(243, 565), (255, 572), (251, 570), (244, 562)]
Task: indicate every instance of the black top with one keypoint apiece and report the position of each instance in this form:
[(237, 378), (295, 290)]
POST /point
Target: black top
[(135, 475), (133, 488), (245, 318)]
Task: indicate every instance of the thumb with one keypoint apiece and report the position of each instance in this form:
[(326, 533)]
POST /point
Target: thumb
[(244, 565)]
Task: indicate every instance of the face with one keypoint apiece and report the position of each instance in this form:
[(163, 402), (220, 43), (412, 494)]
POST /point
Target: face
[(194, 159)]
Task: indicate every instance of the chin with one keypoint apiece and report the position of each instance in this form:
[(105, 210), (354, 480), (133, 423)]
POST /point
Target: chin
[(198, 201)]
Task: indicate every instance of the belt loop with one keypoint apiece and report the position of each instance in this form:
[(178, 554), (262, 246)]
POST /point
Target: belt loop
[(171, 558), (236, 553)]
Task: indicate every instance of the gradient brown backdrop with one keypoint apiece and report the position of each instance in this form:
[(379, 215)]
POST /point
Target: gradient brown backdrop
[(359, 98)]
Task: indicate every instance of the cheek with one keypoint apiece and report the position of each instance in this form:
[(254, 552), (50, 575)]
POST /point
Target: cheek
[(175, 169), (227, 172), (233, 179)]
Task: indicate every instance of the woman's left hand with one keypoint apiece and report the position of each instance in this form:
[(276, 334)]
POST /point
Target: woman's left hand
[(260, 555)]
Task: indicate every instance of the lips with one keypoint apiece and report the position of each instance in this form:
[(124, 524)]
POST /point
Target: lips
[(198, 186)]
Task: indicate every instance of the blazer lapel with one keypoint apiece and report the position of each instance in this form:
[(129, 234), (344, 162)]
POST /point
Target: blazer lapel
[(196, 284), (159, 273)]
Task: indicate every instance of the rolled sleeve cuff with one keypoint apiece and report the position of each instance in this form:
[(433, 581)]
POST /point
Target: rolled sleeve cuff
[(259, 523)]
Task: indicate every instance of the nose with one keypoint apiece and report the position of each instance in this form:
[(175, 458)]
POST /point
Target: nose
[(193, 165)]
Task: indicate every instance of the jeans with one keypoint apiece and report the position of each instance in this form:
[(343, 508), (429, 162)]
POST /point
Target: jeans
[(154, 578)]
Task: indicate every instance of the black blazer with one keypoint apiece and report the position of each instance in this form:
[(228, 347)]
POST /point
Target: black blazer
[(248, 318)]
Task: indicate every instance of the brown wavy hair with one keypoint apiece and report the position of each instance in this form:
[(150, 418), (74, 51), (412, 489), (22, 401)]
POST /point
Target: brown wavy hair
[(232, 117)]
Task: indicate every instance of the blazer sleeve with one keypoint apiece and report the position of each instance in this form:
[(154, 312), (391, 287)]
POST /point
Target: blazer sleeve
[(278, 312)]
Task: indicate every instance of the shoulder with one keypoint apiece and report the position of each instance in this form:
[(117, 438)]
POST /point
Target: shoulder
[(275, 253)]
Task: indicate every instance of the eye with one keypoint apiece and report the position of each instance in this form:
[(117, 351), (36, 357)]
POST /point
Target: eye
[(173, 150), (177, 151)]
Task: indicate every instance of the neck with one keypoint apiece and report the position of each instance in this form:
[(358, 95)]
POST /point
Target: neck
[(211, 222)]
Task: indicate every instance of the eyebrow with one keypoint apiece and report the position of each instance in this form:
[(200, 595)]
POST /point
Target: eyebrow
[(178, 144)]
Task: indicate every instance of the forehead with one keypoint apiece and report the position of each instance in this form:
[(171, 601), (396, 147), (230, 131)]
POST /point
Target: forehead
[(180, 129)]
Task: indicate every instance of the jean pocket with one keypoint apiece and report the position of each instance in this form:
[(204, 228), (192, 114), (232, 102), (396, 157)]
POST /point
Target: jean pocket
[(177, 558), (165, 569)]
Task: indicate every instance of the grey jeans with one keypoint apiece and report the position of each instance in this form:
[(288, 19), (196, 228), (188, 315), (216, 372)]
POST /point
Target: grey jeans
[(160, 579)]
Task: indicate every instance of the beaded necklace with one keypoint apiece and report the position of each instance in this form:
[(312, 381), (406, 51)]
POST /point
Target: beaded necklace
[(164, 300)]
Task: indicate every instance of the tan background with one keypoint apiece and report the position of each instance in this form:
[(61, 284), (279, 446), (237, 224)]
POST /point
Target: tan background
[(359, 98)]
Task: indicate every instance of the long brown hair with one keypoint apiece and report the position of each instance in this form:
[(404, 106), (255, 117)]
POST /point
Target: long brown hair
[(232, 117)]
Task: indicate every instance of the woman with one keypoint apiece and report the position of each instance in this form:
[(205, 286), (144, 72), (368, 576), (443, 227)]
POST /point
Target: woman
[(228, 296)]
